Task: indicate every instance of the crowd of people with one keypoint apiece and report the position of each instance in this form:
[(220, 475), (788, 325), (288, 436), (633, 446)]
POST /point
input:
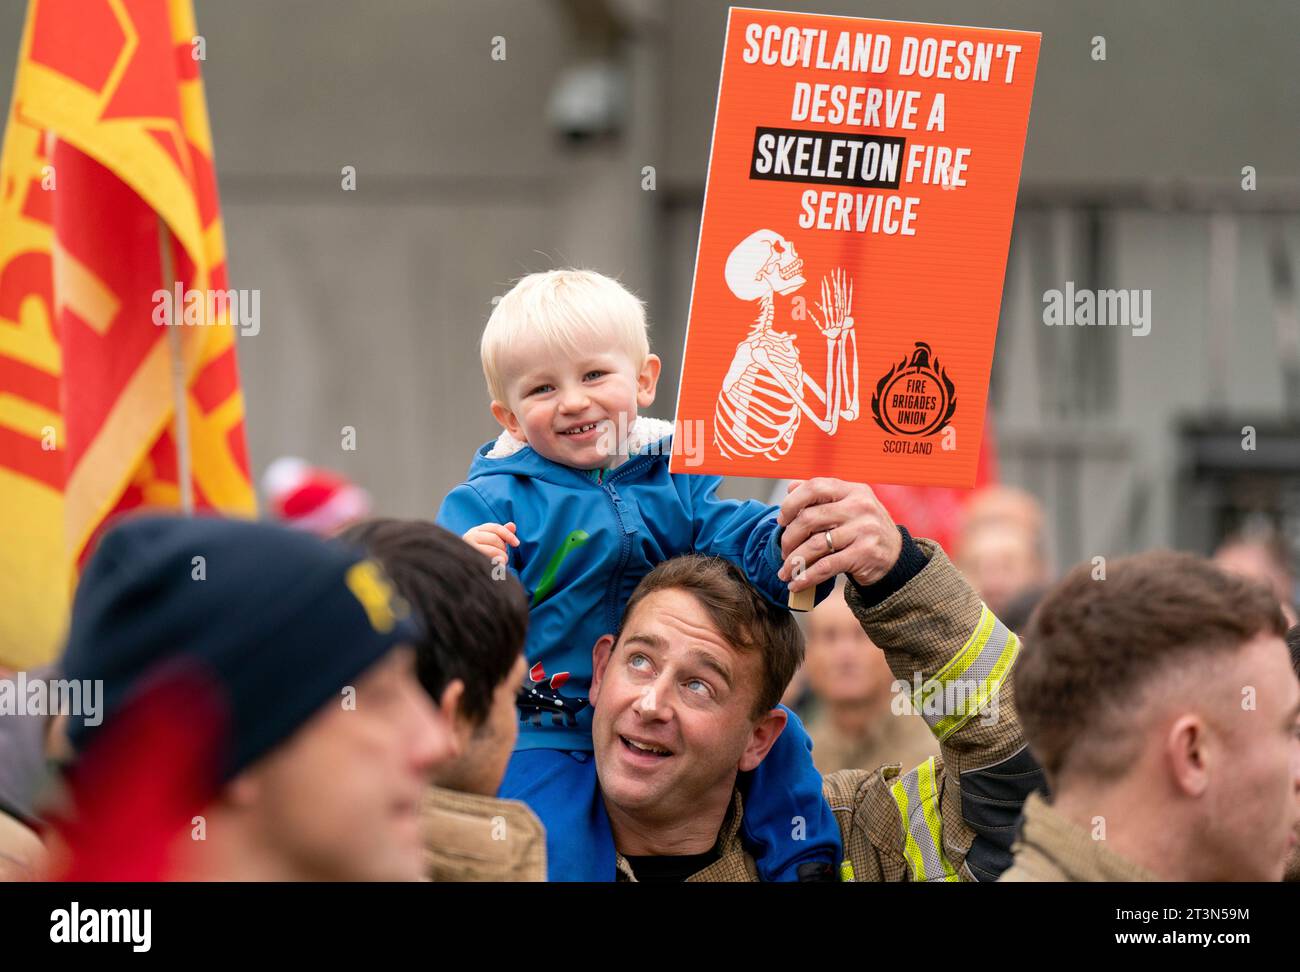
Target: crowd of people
[(588, 669)]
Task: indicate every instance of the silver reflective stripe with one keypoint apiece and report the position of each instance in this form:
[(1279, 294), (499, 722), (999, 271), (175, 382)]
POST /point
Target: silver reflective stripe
[(964, 686), (917, 797)]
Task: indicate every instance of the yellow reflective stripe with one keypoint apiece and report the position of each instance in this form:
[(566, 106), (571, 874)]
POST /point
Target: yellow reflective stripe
[(964, 685), (917, 798), (945, 725), (971, 650), (911, 850), (930, 809)]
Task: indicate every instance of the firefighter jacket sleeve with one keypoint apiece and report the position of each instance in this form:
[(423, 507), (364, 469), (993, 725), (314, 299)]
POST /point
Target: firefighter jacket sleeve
[(953, 817)]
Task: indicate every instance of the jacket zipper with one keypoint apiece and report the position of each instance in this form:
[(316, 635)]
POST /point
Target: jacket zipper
[(625, 536)]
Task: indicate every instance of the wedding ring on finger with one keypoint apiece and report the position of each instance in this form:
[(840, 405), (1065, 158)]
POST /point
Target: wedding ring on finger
[(830, 543)]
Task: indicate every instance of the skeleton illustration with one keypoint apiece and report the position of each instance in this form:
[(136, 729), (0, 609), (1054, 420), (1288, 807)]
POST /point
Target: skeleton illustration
[(762, 400)]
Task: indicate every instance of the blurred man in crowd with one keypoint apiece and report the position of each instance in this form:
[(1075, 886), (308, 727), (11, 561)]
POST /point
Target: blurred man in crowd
[(22, 749), (1002, 547), (1293, 646), (470, 661), (261, 715), (1163, 708), (1261, 554), (1004, 504), (22, 855), (854, 725), (22, 771)]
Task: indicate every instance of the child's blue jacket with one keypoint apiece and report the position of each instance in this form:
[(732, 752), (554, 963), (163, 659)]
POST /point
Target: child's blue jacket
[(586, 541)]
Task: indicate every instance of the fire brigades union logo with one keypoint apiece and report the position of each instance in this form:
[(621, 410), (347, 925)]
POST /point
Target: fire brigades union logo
[(915, 397)]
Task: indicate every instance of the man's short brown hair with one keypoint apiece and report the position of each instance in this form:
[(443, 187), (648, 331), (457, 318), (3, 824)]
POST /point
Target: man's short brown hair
[(474, 622), (744, 618), (1097, 641)]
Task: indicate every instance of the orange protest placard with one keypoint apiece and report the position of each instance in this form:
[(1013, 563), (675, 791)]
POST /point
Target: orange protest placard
[(857, 215)]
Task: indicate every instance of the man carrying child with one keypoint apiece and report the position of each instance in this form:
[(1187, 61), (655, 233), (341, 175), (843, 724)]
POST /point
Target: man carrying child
[(575, 498)]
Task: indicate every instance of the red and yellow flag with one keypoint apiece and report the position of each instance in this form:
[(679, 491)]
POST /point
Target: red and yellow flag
[(107, 195)]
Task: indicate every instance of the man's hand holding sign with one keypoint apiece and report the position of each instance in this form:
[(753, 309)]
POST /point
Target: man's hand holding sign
[(833, 527)]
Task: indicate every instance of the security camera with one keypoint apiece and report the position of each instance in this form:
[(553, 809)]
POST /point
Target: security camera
[(589, 101)]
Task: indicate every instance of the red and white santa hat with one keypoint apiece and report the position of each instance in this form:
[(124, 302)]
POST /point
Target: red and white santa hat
[(307, 497)]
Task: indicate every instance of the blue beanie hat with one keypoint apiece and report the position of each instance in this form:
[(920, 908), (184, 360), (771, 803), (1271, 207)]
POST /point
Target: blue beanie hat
[(278, 620)]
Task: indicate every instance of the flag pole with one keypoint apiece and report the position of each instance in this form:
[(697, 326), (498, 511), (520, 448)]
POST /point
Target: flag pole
[(180, 409)]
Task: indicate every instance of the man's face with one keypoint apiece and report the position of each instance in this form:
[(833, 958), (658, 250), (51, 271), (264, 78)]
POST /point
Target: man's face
[(1000, 562), (571, 409), (674, 711), (1255, 561), (486, 747), (1254, 808), (842, 663), (340, 798)]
